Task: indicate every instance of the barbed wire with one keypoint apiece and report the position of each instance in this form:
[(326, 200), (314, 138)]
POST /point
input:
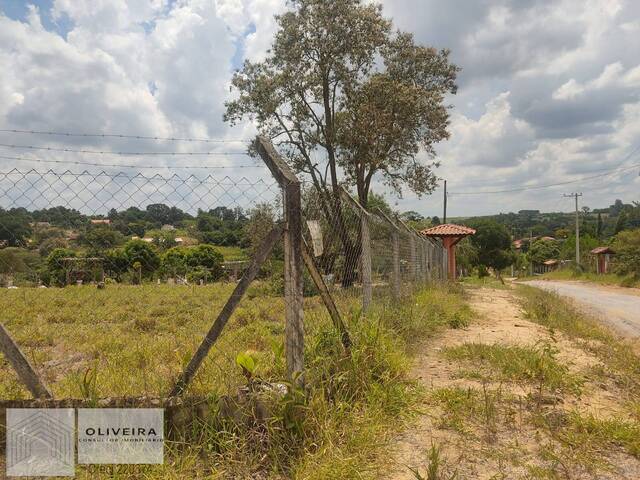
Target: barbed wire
[(119, 165), (209, 179), (105, 152), (119, 135)]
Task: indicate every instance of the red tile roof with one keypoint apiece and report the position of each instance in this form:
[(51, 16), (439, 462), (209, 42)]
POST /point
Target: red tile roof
[(600, 250), (448, 230)]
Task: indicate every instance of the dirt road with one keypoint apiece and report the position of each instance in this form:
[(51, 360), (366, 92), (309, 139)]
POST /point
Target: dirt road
[(619, 308), (486, 427)]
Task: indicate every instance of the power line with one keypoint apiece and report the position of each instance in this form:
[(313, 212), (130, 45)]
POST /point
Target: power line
[(102, 152), (569, 182), (119, 165), (118, 135), (549, 185)]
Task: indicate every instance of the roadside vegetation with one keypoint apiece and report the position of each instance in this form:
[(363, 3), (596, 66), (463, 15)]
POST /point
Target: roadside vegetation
[(628, 281), (534, 390), (133, 340)]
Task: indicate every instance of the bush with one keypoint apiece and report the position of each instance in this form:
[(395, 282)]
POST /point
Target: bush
[(55, 266), (202, 262), (139, 251), (627, 248)]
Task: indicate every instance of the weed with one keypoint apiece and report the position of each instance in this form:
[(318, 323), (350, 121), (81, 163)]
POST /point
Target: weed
[(550, 310), (434, 467), (535, 365)]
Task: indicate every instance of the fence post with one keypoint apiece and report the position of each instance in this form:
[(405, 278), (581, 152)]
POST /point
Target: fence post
[(396, 266), (21, 365), (218, 325), (326, 298), (365, 256), (429, 251), (293, 260)]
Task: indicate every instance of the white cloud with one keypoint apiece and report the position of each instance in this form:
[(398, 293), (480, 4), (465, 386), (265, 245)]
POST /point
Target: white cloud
[(549, 89)]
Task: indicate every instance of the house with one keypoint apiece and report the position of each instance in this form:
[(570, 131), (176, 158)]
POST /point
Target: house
[(100, 221), (603, 259), (168, 228)]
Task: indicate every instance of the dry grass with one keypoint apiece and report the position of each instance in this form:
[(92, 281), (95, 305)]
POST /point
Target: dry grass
[(135, 340)]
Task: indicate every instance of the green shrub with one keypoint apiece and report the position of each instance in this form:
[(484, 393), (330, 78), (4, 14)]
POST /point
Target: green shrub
[(627, 248)]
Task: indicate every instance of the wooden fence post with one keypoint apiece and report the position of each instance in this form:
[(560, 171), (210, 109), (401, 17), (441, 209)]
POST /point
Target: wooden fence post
[(397, 278), (429, 251), (326, 298), (214, 332), (21, 365), (293, 260), (365, 256)]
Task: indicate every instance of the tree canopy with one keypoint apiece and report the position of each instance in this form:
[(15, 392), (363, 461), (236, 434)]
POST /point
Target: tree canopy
[(492, 244), (340, 82)]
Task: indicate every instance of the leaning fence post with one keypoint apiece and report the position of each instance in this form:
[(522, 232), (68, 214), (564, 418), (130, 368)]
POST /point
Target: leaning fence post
[(21, 365), (293, 261), (326, 298), (365, 256), (265, 248)]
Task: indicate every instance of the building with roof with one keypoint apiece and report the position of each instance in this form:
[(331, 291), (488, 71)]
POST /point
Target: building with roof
[(603, 259), (450, 234)]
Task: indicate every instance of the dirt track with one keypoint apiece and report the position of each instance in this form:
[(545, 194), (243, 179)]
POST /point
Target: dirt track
[(516, 444), (618, 307)]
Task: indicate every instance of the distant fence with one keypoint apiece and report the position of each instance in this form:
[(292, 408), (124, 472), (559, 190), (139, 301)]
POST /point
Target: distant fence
[(102, 235)]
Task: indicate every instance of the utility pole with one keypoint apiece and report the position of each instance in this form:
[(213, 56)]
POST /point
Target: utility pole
[(576, 195), (444, 216), (513, 237), (530, 244)]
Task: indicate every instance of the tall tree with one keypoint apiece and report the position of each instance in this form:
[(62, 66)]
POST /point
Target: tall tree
[(342, 93), (492, 242)]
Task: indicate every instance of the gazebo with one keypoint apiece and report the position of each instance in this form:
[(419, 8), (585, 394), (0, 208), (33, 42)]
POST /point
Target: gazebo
[(603, 255), (450, 234)]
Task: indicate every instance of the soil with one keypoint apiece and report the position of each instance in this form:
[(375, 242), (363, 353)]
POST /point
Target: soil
[(515, 446)]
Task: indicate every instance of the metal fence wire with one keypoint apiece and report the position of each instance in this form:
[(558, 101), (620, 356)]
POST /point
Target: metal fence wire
[(367, 253), (203, 251)]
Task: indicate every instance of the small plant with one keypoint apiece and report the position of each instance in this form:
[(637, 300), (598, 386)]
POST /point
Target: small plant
[(434, 467), (248, 363), (87, 384)]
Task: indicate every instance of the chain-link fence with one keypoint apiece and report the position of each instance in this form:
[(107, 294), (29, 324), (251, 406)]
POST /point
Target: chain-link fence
[(368, 254), (122, 284)]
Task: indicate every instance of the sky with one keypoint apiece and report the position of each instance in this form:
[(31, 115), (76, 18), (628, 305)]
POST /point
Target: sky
[(549, 91)]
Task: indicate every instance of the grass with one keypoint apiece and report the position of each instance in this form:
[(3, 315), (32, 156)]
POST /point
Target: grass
[(434, 470), (585, 435), (605, 279), (464, 406), (536, 365), (133, 340), (619, 357), (231, 254)]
